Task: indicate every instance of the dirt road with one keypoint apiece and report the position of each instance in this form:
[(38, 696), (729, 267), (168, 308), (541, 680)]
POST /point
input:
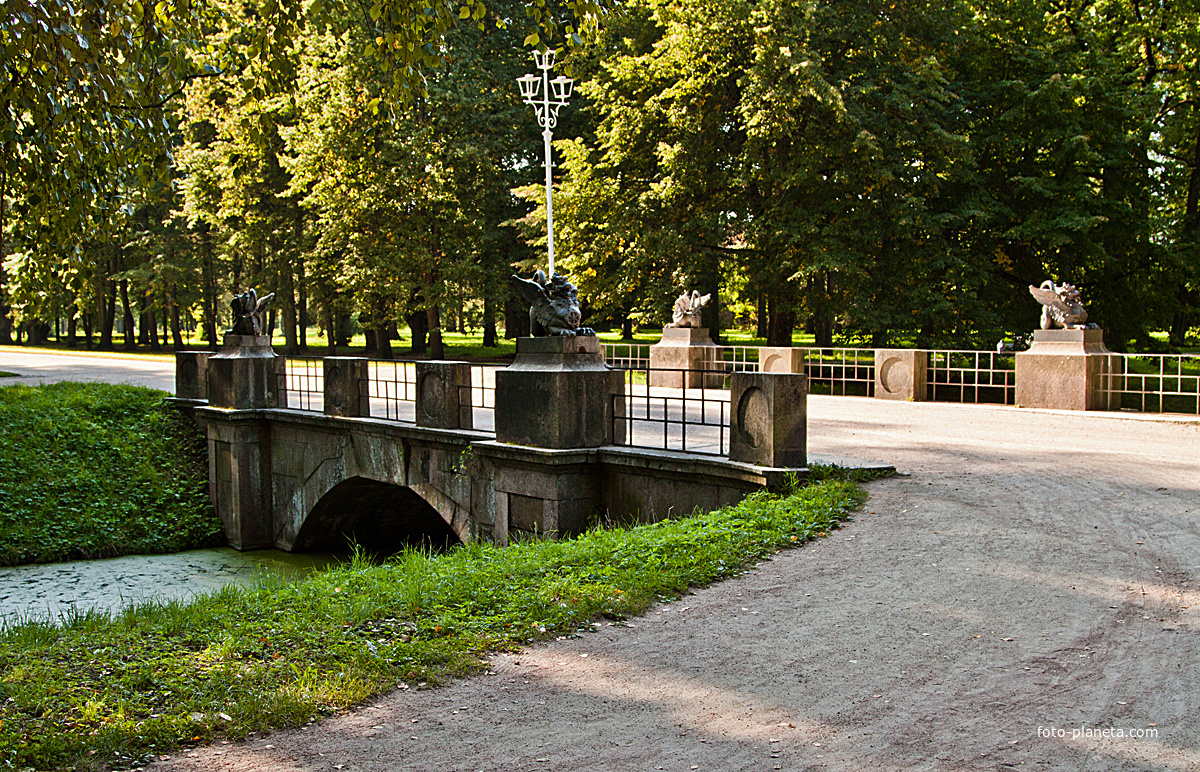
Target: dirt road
[(1035, 574)]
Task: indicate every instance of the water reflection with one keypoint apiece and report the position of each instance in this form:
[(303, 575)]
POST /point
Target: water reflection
[(49, 591)]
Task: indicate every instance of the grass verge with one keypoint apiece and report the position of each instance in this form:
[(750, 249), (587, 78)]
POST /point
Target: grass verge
[(99, 692), (92, 470)]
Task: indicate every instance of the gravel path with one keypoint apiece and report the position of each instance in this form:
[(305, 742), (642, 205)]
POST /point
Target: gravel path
[(1034, 573)]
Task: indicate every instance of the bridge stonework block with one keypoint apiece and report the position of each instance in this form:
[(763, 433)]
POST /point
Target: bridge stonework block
[(245, 374), (769, 419), (540, 492), (444, 395), (780, 359), (687, 349), (559, 393), (901, 374), (346, 386), (239, 474), (191, 374), (1064, 370)]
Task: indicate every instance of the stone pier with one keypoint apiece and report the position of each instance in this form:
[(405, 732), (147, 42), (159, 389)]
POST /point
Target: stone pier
[(1065, 370), (687, 349)]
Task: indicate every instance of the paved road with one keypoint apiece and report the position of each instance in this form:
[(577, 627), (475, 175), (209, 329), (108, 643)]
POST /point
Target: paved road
[(1034, 574), (38, 367)]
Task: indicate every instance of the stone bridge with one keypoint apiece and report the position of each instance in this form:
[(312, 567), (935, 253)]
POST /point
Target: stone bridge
[(300, 480)]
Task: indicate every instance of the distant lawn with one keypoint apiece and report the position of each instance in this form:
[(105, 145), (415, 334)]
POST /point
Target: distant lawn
[(93, 470)]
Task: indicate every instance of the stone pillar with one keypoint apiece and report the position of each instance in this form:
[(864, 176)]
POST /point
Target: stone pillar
[(768, 422), (1065, 370), (444, 395), (559, 393), (780, 359), (690, 349), (901, 374), (346, 387), (239, 476), (191, 374), (246, 374)]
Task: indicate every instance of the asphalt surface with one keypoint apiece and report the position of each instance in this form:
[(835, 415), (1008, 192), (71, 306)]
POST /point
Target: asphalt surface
[(32, 368)]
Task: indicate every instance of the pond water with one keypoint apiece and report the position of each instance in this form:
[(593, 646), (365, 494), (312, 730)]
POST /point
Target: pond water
[(52, 590)]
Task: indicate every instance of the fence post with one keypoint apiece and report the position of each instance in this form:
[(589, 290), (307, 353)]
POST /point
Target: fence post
[(901, 374), (780, 359), (444, 395), (346, 382), (769, 419)]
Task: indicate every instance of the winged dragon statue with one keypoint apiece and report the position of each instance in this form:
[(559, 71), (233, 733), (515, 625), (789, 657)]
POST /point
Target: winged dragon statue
[(687, 309), (248, 310), (1061, 306)]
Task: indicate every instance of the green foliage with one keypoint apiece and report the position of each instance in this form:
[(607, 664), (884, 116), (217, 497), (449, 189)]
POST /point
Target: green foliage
[(96, 470), (251, 660)]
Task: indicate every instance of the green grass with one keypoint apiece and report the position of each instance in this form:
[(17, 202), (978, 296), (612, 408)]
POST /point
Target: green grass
[(99, 691), (90, 470)]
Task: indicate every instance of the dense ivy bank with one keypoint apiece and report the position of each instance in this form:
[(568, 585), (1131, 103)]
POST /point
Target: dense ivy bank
[(91, 470), (99, 691)]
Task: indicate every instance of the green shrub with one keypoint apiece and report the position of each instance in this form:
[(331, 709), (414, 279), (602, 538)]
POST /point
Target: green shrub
[(90, 470)]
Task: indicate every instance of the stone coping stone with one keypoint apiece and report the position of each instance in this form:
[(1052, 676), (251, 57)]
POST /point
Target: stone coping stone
[(559, 353), (685, 336), (245, 347), (1067, 342)]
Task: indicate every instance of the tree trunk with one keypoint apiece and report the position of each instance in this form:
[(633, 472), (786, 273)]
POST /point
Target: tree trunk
[(287, 309), (145, 326), (209, 280), (383, 341), (418, 325), (516, 319), (72, 314), (127, 317), (152, 328), (489, 322), (106, 306), (87, 330), (5, 310), (760, 328), (330, 333), (436, 350), (173, 313), (782, 321), (302, 341), (626, 327)]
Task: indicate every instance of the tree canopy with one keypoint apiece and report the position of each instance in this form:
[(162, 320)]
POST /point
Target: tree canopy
[(871, 172)]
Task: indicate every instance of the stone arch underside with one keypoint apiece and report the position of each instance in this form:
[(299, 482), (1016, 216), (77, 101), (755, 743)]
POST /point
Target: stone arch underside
[(380, 517)]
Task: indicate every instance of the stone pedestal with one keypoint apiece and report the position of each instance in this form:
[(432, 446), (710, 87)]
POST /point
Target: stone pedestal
[(769, 419), (346, 386), (246, 374), (901, 374), (444, 395), (1064, 370), (780, 359), (558, 393), (191, 374), (690, 349)]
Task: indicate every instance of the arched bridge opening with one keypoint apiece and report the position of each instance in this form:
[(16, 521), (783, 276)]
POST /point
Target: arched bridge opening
[(381, 518)]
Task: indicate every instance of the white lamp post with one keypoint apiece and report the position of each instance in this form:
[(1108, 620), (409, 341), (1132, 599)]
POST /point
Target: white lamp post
[(547, 97)]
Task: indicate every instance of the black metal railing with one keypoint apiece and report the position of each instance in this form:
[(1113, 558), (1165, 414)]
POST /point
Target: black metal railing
[(673, 409)]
